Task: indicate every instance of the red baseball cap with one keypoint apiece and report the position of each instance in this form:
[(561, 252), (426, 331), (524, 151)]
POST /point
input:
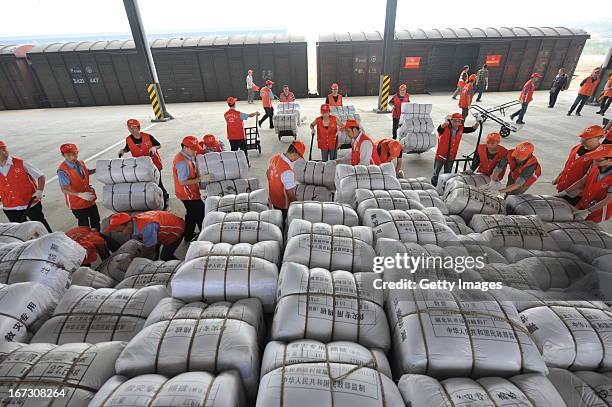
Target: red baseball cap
[(193, 143), (209, 139), (456, 116), (593, 131), (269, 82), (493, 137), (472, 77), (133, 122), (69, 148), (325, 108), (522, 150), (536, 75), (2, 144), (231, 100), (350, 123), (300, 147), (117, 220), (603, 151)]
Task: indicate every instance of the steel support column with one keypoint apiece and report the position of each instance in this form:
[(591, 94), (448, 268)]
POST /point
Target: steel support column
[(385, 74)]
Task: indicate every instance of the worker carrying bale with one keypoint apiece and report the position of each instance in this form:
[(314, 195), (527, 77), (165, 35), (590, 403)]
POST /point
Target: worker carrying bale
[(21, 189), (490, 159), (141, 144), (400, 97), (186, 184), (467, 93), (235, 126), (449, 137), (73, 176), (362, 146), (388, 150), (327, 133), (578, 161), (524, 169), (281, 178), (153, 229), (334, 98), (90, 240), (210, 144)]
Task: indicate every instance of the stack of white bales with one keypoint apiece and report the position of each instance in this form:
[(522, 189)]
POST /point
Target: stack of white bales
[(130, 184), (229, 171), (21, 232), (349, 178), (255, 201), (117, 264), (144, 272), (332, 213), (416, 132), (343, 113), (315, 180), (287, 117)]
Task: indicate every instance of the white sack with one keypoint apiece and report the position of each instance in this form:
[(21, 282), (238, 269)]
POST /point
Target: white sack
[(458, 225), (116, 265), (501, 231), (472, 249), (86, 277), (126, 170), (510, 275), (351, 177), (256, 201), (332, 213), (286, 122), (312, 193), (287, 107), (140, 196), (514, 254), (467, 201), (395, 199), (238, 227), (181, 337), (547, 208), (415, 183), (145, 272), (555, 272), (77, 369), (320, 173), (223, 166), (269, 250), (416, 109), (317, 304), (21, 232), (475, 180), (430, 199), (304, 227), (582, 389), (586, 233), (232, 186), (25, 306), (88, 315), (596, 256), (416, 125), (416, 142)]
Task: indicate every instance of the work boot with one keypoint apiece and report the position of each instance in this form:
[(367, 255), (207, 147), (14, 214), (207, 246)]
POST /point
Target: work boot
[(569, 113), (520, 122), (271, 126), (599, 112), (578, 114)]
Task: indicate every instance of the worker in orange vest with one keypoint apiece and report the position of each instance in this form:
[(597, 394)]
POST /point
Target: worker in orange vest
[(141, 144), (334, 98), (449, 138), (286, 95), (606, 100), (90, 240), (578, 161), (388, 150), (607, 132), (526, 97), (587, 88), (400, 97), (153, 229), (362, 146), (462, 81), (281, 178), (267, 96), (80, 196), (467, 93), (210, 144), (327, 133), (186, 184), (21, 189), (491, 158), (524, 169), (234, 120)]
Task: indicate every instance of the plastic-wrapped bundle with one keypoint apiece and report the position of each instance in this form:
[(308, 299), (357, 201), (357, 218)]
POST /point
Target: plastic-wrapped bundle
[(467, 201), (415, 184), (312, 193), (329, 306), (287, 107), (416, 125), (48, 260), (487, 254), (226, 277), (513, 230), (547, 208), (555, 272), (458, 225), (395, 199), (473, 238), (586, 233), (475, 180), (430, 199), (77, 370), (417, 142), (286, 122), (596, 256), (85, 314), (186, 389), (528, 390), (138, 196), (336, 247), (223, 166), (510, 275), (345, 112), (320, 173), (117, 264), (87, 277), (269, 250), (514, 254), (238, 227), (408, 226), (449, 333), (126, 170), (214, 338), (144, 272), (256, 201), (25, 306), (582, 389), (351, 177), (21, 232), (232, 186), (416, 109), (332, 213)]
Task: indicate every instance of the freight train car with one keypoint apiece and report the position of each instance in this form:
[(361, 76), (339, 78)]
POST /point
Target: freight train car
[(18, 86)]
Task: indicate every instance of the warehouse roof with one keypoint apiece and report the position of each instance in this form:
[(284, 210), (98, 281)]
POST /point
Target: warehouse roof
[(170, 43), (458, 34)]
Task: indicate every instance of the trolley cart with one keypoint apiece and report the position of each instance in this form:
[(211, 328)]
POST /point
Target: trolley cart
[(312, 138), (251, 136), (482, 115)]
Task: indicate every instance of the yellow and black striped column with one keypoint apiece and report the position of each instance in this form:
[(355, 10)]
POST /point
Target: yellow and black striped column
[(385, 89), (157, 110)]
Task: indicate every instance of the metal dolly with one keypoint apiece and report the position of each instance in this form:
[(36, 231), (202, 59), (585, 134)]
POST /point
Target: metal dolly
[(251, 136), (287, 133), (341, 147), (482, 115)]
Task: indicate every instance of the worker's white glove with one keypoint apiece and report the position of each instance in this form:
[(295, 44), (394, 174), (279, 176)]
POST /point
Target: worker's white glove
[(205, 178), (561, 194), (38, 194), (153, 150), (120, 154), (88, 196), (400, 174), (467, 172), (582, 214), (312, 132)]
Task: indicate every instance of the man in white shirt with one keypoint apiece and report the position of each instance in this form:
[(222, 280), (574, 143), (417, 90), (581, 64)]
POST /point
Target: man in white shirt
[(250, 84), (281, 178), (362, 146)]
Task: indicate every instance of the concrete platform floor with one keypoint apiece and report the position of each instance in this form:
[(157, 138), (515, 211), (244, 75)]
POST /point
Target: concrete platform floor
[(100, 131)]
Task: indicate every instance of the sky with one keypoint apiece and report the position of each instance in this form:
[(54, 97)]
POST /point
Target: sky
[(309, 17)]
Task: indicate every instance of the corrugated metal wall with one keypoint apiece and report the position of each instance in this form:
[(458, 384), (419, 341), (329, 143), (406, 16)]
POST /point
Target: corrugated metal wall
[(18, 87)]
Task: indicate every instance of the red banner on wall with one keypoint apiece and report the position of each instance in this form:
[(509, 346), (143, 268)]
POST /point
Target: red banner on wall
[(493, 60), (412, 62)]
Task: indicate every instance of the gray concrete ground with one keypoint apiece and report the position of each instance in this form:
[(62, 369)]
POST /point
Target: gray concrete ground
[(100, 131)]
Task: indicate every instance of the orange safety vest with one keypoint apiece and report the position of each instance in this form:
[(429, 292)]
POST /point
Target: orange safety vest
[(487, 166), (589, 86), (356, 150), (286, 98), (185, 192), (382, 150), (462, 81), (77, 184), (171, 227), (235, 125), (595, 191), (266, 99), (516, 171), (465, 100), (276, 188), (397, 104), (445, 141), (526, 95), (574, 169), (143, 149), (17, 187), (89, 239), (326, 137), (608, 93), (608, 137), (332, 102)]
